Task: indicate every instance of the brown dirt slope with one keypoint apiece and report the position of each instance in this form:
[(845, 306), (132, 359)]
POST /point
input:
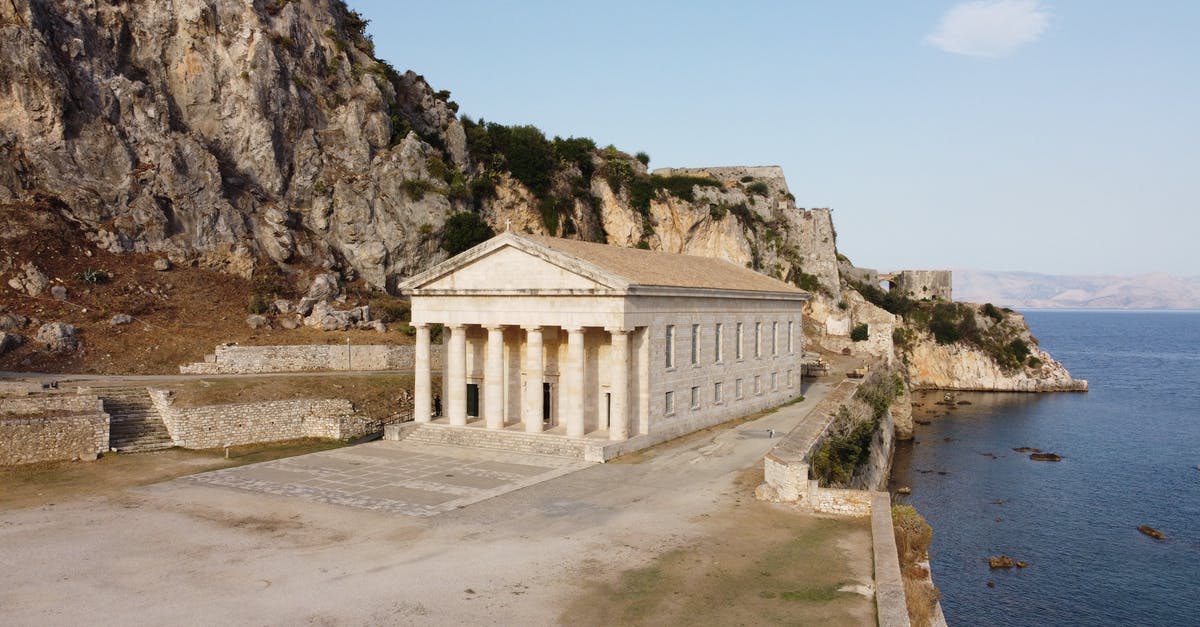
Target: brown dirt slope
[(179, 315)]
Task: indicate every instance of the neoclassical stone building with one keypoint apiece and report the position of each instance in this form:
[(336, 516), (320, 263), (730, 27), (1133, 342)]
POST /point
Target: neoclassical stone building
[(602, 343)]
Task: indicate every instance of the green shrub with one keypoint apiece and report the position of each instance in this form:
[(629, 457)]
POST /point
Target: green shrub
[(416, 188), (464, 230), (990, 311), (758, 188), (718, 211), (747, 179), (577, 151), (92, 276), (859, 333), (258, 304), (642, 157), (805, 281)]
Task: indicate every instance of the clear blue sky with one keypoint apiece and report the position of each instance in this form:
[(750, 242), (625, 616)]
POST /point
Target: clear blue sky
[(1049, 136)]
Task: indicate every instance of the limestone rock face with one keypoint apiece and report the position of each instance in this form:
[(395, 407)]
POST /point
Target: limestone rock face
[(961, 367), (221, 131)]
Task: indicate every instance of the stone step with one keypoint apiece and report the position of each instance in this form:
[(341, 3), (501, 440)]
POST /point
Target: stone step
[(144, 447), (538, 444)]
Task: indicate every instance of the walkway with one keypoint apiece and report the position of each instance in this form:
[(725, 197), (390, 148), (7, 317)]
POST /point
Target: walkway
[(395, 477)]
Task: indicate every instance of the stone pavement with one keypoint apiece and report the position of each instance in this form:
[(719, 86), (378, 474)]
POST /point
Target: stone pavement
[(413, 479)]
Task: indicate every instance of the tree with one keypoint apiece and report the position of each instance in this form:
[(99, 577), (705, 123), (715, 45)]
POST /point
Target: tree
[(464, 230)]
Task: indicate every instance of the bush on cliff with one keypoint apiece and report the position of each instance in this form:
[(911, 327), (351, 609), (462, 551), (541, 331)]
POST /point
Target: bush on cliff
[(464, 230)]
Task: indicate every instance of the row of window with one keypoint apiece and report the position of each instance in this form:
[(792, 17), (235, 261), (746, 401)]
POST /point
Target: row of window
[(719, 341), (718, 394)]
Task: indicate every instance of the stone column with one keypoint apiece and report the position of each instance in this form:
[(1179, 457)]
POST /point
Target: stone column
[(572, 391), (456, 375), (535, 375), (493, 379), (423, 387), (618, 428)]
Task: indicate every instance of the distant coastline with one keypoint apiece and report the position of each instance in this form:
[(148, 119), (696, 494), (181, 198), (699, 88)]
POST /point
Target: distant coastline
[(1028, 290)]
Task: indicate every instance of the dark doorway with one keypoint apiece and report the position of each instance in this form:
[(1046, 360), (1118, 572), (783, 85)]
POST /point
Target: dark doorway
[(607, 410), (546, 403), (473, 400)]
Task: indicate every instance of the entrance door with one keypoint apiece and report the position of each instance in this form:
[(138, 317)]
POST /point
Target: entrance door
[(546, 403), (473, 400)]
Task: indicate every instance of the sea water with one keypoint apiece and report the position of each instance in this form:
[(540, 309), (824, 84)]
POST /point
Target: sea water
[(1131, 457)]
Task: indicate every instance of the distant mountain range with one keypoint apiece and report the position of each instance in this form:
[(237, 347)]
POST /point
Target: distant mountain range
[(1044, 291)]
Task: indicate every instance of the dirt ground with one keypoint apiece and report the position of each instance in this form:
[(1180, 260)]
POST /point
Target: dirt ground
[(47, 483), (674, 537), (179, 315)]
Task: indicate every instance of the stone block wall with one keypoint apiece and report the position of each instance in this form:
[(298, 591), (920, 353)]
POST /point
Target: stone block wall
[(52, 428), (308, 358), (926, 284), (250, 423)]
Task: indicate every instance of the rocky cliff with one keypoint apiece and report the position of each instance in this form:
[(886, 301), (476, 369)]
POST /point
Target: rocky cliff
[(243, 136)]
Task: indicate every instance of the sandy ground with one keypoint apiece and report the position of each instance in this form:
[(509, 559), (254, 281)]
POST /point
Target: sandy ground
[(626, 542)]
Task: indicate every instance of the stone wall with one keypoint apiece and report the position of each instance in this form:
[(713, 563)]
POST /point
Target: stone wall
[(249, 423), (52, 428), (925, 284), (308, 358), (786, 466)]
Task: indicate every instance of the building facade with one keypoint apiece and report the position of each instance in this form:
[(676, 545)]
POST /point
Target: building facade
[(584, 340)]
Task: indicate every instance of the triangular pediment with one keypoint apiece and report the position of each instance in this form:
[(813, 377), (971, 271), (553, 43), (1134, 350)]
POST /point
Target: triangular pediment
[(509, 263)]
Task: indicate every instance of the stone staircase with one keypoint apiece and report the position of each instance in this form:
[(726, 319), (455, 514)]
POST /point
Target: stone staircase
[(136, 425), (517, 441)]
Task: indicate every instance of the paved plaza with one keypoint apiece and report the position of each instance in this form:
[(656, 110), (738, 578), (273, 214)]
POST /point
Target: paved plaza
[(395, 477)]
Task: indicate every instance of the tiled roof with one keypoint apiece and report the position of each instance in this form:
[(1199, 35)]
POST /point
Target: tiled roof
[(655, 268)]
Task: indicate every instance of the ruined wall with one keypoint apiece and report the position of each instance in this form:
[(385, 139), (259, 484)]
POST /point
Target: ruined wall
[(925, 284), (308, 358), (249, 423), (52, 428)]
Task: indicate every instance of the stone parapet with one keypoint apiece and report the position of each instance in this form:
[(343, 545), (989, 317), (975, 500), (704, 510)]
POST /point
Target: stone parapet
[(249, 423), (52, 428), (308, 358)]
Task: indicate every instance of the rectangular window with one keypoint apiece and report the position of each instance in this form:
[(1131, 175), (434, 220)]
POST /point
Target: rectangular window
[(774, 381), (758, 339), (774, 339), (695, 344), (739, 341), (717, 395), (737, 389), (670, 346), (695, 397), (669, 403), (791, 348), (717, 333), (757, 385)]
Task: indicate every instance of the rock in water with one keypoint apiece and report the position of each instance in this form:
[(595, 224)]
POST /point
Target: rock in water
[(1152, 532), (1000, 561), (1027, 449), (1045, 457)]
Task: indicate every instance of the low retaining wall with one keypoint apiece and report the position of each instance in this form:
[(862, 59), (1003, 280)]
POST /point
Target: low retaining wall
[(251, 423), (52, 428), (309, 358)]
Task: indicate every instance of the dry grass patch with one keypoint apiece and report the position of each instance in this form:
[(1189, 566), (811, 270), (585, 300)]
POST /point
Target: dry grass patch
[(757, 564), (913, 537), (379, 396)]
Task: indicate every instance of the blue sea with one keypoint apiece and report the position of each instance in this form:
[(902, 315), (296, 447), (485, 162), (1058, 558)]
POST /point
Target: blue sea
[(1131, 450)]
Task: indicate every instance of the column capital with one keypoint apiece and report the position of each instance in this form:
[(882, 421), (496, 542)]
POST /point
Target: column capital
[(494, 327), (455, 326), (572, 328), (617, 330), (533, 327), (419, 325)]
